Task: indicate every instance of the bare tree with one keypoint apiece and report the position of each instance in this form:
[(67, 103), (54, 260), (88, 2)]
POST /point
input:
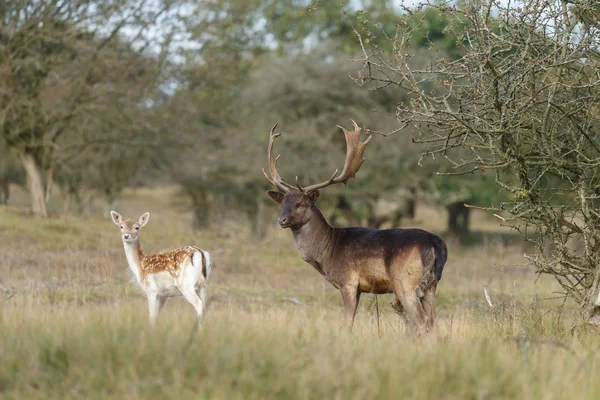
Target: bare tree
[(522, 102)]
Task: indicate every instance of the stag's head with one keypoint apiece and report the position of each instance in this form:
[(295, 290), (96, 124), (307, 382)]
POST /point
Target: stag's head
[(297, 202), (130, 228)]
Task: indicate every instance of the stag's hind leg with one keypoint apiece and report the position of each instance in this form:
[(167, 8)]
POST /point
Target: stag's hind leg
[(428, 304), (397, 306), (406, 275), (411, 303)]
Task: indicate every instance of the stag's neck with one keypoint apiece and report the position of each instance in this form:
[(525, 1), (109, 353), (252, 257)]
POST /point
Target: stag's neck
[(314, 239), (135, 255)]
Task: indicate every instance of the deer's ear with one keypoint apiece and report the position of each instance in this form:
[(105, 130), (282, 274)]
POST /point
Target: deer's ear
[(277, 197), (143, 220), (313, 196), (116, 217)]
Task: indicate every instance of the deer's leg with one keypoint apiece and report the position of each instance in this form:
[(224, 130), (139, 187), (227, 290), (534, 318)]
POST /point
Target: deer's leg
[(202, 294), (428, 305), (189, 292), (350, 296), (411, 303), (397, 306), (155, 303)]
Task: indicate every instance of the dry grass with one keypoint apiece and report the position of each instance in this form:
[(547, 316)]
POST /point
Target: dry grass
[(76, 327)]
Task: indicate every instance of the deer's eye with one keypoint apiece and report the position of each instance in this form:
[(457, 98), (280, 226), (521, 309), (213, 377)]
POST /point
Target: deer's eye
[(121, 226), (137, 228)]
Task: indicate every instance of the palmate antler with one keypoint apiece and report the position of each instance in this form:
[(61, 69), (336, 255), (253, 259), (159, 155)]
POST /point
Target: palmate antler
[(354, 160), (275, 179)]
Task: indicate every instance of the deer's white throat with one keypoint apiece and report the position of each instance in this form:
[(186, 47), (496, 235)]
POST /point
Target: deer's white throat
[(132, 252)]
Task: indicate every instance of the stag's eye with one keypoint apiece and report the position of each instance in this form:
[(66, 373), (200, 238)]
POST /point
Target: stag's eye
[(137, 228), (121, 226)]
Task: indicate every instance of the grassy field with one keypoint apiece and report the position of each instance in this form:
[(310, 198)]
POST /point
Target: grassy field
[(73, 324)]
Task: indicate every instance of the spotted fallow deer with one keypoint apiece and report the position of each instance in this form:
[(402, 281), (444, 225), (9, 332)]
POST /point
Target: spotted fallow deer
[(407, 262), (181, 271)]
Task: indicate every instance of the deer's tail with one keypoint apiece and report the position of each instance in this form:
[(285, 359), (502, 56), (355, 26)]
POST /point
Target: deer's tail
[(203, 260), (208, 266), (441, 255)]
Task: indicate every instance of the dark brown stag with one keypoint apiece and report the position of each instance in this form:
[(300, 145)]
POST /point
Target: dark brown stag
[(407, 262)]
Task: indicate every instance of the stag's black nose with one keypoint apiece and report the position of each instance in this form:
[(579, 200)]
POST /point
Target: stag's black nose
[(282, 220), (126, 236)]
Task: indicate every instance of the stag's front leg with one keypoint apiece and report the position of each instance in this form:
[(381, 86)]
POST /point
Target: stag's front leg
[(350, 296)]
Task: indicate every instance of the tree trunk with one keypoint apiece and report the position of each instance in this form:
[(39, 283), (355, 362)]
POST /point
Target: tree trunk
[(411, 204), (259, 221), (200, 207), (371, 216), (112, 201), (458, 219), (85, 204), (68, 199), (591, 304), (4, 191), (35, 185), (397, 218), (49, 184)]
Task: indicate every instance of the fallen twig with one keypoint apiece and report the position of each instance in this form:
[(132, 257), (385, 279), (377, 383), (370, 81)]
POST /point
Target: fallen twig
[(551, 342), (6, 299)]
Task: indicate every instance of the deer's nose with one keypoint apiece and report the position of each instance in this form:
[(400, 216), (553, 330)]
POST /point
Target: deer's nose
[(282, 220), (126, 236)]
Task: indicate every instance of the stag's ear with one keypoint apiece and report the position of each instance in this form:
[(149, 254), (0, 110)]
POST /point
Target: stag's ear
[(143, 220), (313, 196), (277, 197), (116, 217)]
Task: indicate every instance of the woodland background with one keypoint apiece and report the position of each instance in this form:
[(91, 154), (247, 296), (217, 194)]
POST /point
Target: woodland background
[(100, 96), (166, 105)]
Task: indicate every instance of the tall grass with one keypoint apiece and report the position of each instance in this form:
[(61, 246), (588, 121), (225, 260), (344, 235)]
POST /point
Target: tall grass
[(287, 351), (76, 327)]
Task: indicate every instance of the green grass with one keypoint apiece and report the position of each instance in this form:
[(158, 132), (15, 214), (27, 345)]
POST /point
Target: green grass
[(76, 327)]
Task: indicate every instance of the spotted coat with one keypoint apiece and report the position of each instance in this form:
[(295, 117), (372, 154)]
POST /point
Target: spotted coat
[(172, 261)]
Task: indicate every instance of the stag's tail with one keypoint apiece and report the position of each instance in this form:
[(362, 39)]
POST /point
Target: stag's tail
[(441, 255)]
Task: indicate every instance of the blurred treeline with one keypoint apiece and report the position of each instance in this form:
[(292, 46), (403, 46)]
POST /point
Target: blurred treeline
[(96, 96)]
